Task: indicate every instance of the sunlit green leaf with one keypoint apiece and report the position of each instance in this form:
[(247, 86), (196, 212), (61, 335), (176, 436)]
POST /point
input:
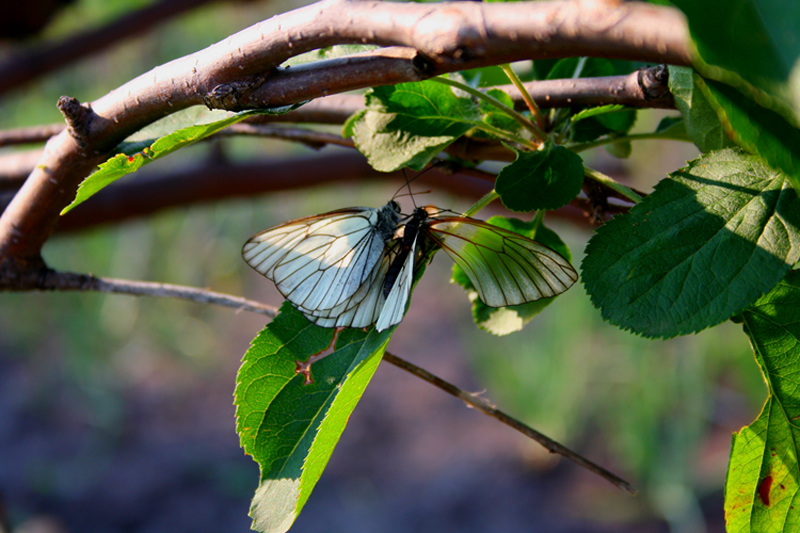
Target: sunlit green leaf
[(756, 129), (409, 123), (291, 427), (763, 481), (594, 111), (125, 163)]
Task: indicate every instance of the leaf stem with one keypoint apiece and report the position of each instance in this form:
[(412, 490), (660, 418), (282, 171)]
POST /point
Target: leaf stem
[(609, 182), (523, 121), (488, 198), (506, 134), (630, 137), (530, 102), (486, 408)]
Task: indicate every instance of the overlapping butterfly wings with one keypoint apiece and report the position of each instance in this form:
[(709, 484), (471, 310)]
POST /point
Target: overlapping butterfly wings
[(506, 268), (332, 266), (319, 262)]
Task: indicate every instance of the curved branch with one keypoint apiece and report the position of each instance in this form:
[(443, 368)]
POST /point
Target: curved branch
[(632, 90), (448, 37)]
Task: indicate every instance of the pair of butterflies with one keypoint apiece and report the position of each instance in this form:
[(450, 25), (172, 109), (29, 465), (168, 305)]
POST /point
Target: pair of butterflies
[(354, 267)]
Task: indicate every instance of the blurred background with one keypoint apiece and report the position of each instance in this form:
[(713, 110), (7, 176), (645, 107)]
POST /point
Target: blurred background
[(116, 412)]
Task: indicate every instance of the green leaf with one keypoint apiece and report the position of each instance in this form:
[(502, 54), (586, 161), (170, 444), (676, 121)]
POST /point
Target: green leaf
[(495, 117), (755, 128), (702, 247), (504, 320), (673, 128), (409, 123), (548, 178), (621, 149), (762, 482), (594, 111), (581, 67), (290, 427), (752, 45), (125, 163), (330, 52), (702, 124), (485, 76)]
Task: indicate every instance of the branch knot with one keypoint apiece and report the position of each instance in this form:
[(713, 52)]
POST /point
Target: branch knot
[(78, 116), (229, 95)]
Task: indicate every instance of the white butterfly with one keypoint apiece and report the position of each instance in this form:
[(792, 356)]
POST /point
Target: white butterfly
[(355, 267)]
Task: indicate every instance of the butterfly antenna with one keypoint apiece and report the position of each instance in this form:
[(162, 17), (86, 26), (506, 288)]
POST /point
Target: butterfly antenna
[(408, 183)]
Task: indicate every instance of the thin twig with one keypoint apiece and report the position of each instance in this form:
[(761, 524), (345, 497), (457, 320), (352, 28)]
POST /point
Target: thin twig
[(532, 107), (483, 406), (70, 281)]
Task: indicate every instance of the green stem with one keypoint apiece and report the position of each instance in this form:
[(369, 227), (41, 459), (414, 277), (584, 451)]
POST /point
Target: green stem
[(580, 147), (530, 102), (609, 182), (538, 219), (524, 122), (488, 198), (507, 135)]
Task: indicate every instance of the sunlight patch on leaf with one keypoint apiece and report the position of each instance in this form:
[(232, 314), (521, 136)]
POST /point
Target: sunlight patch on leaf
[(409, 124)]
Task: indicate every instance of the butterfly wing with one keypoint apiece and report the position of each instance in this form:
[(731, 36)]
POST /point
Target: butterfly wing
[(506, 268), (373, 307), (395, 306), (320, 262), (364, 309)]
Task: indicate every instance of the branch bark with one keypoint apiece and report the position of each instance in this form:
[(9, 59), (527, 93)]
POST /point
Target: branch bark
[(642, 89), (447, 37)]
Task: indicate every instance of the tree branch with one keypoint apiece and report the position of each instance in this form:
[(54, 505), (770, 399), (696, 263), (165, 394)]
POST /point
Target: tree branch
[(448, 37), (51, 280), (645, 88), (484, 407)]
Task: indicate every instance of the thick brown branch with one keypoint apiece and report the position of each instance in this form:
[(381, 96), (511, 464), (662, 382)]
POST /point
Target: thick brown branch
[(448, 37), (644, 89)]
